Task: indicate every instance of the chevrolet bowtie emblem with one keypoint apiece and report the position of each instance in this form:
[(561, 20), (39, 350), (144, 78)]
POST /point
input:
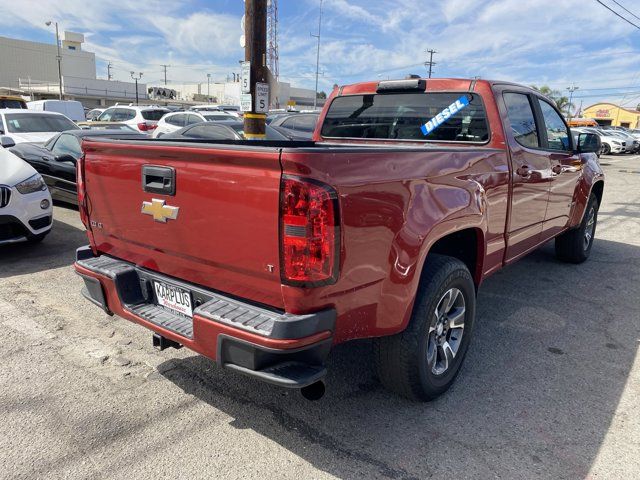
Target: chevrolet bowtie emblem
[(159, 211)]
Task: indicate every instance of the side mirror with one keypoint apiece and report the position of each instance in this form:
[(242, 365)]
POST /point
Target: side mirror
[(66, 158), (7, 142), (588, 143)]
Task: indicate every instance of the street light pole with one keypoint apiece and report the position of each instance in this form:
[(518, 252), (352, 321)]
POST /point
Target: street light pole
[(58, 57), (136, 80), (571, 90), (315, 98), (208, 83)]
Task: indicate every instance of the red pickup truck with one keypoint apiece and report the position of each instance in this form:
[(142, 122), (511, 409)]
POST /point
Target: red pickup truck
[(263, 255)]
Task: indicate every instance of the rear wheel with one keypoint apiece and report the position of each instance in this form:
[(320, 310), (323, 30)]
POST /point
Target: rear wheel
[(575, 245), (423, 361)]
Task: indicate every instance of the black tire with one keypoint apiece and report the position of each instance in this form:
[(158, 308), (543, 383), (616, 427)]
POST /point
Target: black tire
[(402, 360), (574, 246), (606, 149)]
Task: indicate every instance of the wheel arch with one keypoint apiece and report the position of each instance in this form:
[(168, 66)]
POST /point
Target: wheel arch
[(467, 245), (598, 190)]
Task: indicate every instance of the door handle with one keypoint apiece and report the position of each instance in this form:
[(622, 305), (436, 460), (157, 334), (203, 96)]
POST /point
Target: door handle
[(159, 179), (524, 171)]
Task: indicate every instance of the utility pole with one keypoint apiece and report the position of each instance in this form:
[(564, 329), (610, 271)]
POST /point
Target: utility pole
[(165, 73), (571, 89), (136, 78), (255, 52), (430, 63), (315, 97), (208, 83), (109, 76), (58, 56)]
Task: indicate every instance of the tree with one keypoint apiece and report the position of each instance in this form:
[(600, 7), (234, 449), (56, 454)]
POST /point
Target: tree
[(561, 101), (322, 95)]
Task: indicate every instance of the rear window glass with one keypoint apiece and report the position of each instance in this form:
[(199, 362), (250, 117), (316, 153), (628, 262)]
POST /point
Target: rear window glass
[(153, 115), (401, 116), (11, 103), (32, 122)]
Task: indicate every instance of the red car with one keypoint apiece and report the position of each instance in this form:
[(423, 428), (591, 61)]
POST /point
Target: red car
[(263, 255)]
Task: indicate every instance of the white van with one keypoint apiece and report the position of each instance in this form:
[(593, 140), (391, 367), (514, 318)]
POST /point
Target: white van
[(69, 108)]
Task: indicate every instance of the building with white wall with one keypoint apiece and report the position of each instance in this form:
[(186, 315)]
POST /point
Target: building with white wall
[(35, 61)]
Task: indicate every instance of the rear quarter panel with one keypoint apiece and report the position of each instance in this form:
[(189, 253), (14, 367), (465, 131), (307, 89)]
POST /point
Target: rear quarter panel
[(395, 203)]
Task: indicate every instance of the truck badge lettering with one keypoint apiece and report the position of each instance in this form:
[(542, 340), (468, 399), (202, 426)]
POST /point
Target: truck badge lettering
[(159, 211), (444, 115)]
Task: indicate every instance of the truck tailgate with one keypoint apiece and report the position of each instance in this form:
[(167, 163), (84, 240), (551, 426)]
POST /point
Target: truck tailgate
[(225, 232)]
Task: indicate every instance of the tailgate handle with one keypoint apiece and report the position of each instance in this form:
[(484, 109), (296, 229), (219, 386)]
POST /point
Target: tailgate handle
[(159, 179)]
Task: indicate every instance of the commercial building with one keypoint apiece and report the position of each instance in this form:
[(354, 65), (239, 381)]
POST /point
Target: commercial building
[(228, 93), (610, 114), (25, 61), (31, 69)]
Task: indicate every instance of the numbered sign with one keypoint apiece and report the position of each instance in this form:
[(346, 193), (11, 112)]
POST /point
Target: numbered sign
[(245, 77), (262, 97)]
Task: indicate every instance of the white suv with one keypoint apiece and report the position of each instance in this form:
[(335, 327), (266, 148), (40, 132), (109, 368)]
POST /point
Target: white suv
[(172, 122), (25, 202), (144, 119)]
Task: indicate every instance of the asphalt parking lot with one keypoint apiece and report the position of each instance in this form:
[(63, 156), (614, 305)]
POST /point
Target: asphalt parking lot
[(550, 388)]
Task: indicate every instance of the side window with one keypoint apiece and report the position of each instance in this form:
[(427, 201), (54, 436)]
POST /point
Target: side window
[(107, 115), (177, 120), (289, 123), (522, 120), (192, 119), (67, 145), (557, 135), (211, 132), (1, 125), (306, 123), (118, 115), (126, 114)]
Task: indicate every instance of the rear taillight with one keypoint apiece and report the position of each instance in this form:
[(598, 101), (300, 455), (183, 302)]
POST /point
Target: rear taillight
[(309, 232), (146, 127), (82, 195)]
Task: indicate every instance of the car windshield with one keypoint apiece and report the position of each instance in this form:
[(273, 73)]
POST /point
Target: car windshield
[(272, 133), (111, 126), (214, 118), (153, 115), (402, 116), (33, 122)]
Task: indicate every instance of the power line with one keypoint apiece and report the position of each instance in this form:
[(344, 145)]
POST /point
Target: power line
[(626, 9), (617, 14)]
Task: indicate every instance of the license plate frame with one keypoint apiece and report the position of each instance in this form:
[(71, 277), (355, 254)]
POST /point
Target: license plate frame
[(175, 299)]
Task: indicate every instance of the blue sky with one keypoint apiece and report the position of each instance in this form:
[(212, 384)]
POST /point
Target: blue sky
[(554, 42)]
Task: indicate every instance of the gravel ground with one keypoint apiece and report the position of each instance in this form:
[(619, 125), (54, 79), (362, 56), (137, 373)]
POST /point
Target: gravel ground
[(550, 388)]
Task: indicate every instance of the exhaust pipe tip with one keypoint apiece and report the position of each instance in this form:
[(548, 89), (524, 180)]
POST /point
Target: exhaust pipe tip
[(314, 392)]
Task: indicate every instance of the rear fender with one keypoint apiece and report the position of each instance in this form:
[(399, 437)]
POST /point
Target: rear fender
[(414, 242)]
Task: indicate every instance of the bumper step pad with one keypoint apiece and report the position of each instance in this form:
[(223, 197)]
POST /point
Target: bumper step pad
[(134, 289), (290, 368)]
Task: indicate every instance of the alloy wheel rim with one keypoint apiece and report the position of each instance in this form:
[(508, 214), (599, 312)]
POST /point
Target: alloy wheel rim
[(446, 331), (588, 231)]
